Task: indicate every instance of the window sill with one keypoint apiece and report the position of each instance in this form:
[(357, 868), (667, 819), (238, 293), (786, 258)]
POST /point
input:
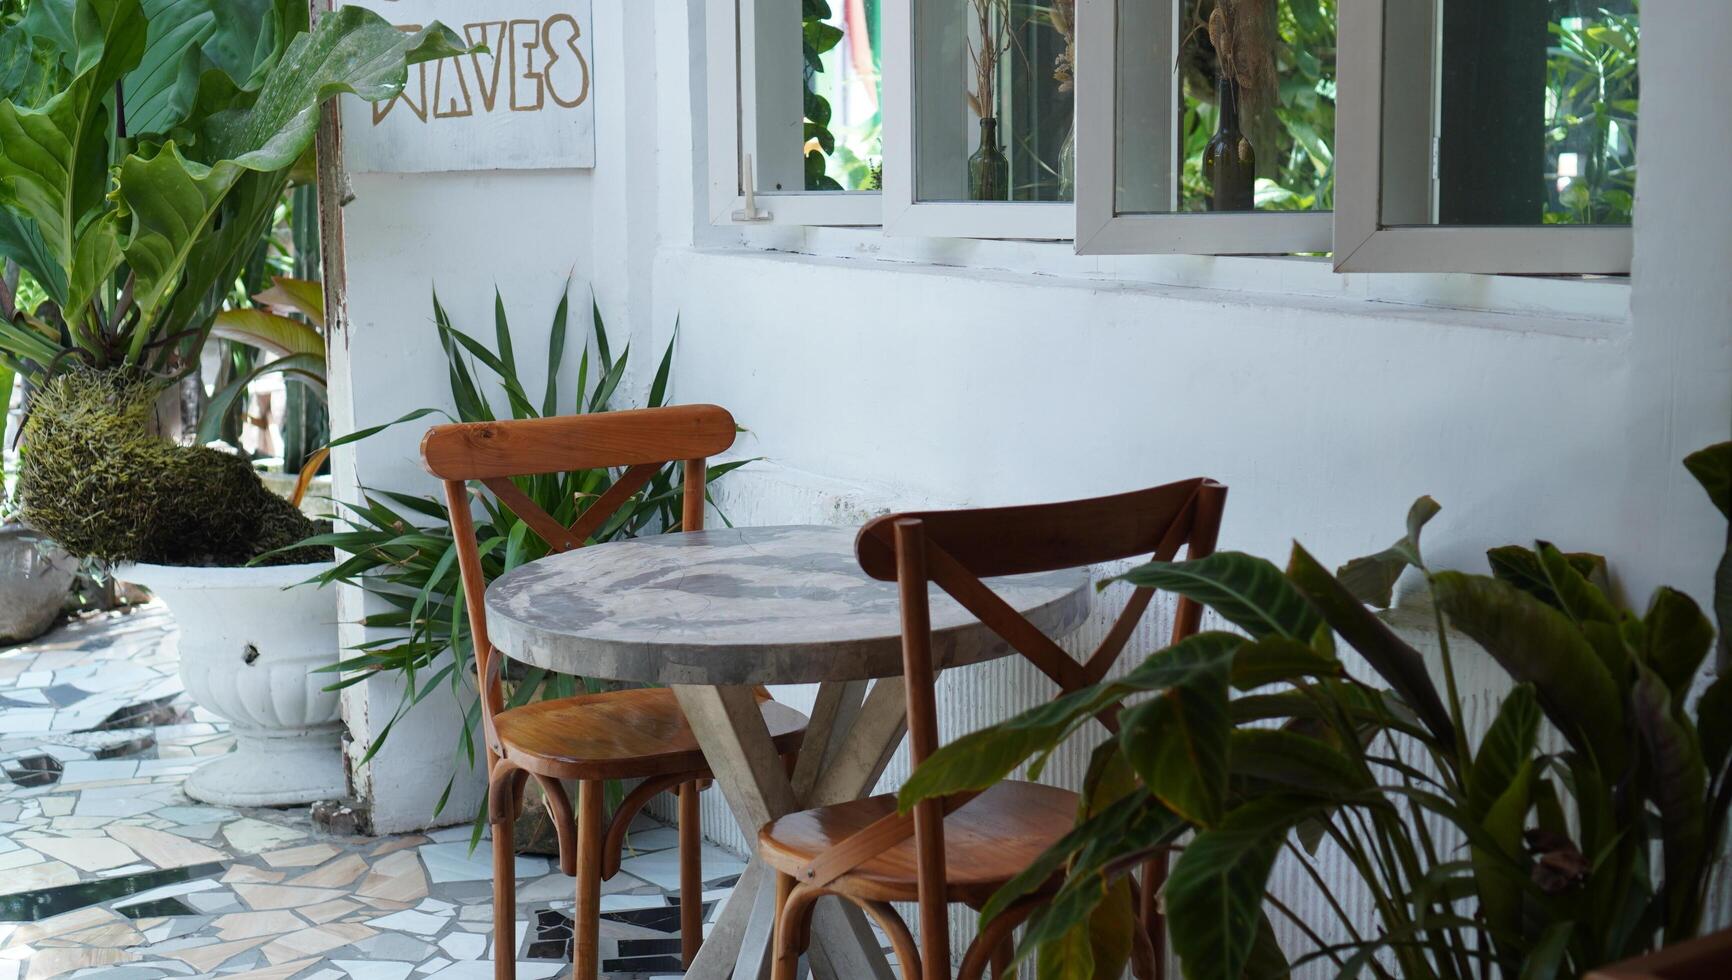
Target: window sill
[(1598, 299)]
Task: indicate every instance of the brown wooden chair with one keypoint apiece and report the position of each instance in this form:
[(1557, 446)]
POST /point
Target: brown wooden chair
[(591, 738), (964, 848), (1703, 958)]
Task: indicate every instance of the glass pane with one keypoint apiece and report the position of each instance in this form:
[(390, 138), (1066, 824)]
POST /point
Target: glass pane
[(993, 100), (1251, 126), (841, 88), (1533, 120)]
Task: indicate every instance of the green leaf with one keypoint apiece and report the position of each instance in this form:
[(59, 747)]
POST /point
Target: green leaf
[(1215, 893), (1296, 763), (1712, 468), (1677, 639), (1546, 961), (1507, 747), (1248, 592), (1577, 597), (1278, 660), (1399, 664), (1521, 568), (1539, 644), (351, 49), (171, 201), (1177, 743), (21, 242), (1372, 579), (1679, 789), (306, 366), (279, 336), (556, 350), (1714, 716), (1500, 866)]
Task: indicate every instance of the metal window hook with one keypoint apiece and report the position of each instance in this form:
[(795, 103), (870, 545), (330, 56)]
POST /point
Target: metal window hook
[(748, 180)]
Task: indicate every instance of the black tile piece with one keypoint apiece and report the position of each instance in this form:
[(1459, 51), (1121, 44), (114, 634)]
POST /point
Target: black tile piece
[(631, 948), (146, 714), (42, 903), (664, 919), (727, 882), (644, 966), (161, 906), (35, 770), (556, 950)]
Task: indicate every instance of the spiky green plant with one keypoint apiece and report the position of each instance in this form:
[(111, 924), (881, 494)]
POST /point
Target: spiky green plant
[(1510, 855), (398, 546)]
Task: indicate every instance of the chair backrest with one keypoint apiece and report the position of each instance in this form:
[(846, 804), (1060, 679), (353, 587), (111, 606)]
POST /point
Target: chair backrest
[(957, 549), (641, 440)]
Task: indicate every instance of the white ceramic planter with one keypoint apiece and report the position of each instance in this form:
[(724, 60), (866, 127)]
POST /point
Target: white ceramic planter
[(35, 577), (249, 646)]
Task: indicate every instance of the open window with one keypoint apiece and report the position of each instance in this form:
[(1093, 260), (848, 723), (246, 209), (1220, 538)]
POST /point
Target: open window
[(1206, 126), (1487, 136), (980, 110), (796, 133)]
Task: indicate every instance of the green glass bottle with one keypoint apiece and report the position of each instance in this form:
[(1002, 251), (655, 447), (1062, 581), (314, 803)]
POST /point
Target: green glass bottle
[(1229, 163), (989, 168)]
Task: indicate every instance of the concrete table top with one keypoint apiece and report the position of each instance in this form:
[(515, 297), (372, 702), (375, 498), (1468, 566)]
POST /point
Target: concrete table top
[(762, 605)]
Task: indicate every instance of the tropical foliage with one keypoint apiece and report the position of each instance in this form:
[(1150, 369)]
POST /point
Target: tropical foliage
[(144, 148), (1579, 829), (399, 548), (1591, 96)]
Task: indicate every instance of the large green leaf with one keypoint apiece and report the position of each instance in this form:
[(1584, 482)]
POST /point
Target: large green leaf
[(1679, 789), (54, 157), (1714, 717), (1539, 644), (1372, 579), (1712, 468), (981, 758), (1676, 639), (1500, 865), (1507, 747), (277, 335), (21, 242), (350, 49), (189, 37), (1177, 743), (171, 201), (1399, 664), (1579, 598), (1247, 591), (1215, 894), (1296, 763)]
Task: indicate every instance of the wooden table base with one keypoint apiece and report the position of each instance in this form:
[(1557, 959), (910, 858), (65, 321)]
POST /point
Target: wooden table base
[(850, 740)]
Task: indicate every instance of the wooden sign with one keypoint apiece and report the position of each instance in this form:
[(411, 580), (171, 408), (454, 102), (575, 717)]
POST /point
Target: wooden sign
[(527, 103)]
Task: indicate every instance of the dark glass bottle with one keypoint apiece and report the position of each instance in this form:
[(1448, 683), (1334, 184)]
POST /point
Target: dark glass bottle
[(989, 168), (1229, 162)]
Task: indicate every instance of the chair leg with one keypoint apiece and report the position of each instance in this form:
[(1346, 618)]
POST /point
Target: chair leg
[(691, 874), (586, 917), (785, 946), (1002, 956), (504, 883)]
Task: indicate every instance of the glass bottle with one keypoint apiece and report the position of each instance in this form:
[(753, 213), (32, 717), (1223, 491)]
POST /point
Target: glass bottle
[(1229, 162), (989, 168)]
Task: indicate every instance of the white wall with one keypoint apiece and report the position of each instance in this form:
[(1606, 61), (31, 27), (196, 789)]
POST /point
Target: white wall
[(882, 373)]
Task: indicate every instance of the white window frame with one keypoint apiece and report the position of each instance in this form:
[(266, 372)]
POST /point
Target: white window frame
[(764, 35), (904, 214), (1101, 228), (1365, 241)]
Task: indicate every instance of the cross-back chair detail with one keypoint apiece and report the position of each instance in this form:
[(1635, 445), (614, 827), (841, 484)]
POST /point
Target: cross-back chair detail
[(956, 550), (495, 454)]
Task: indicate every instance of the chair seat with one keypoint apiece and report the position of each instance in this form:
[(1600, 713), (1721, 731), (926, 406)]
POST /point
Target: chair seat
[(620, 735), (987, 841)]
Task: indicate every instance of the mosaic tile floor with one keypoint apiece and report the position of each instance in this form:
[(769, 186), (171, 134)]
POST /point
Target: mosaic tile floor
[(108, 870)]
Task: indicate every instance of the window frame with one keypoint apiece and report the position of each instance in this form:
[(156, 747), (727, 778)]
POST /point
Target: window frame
[(904, 213), (1365, 243), (1101, 228), (734, 40)]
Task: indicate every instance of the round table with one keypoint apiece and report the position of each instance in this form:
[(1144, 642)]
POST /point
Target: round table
[(711, 614)]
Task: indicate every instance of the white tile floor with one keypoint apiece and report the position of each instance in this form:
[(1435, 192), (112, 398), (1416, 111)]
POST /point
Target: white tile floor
[(108, 870)]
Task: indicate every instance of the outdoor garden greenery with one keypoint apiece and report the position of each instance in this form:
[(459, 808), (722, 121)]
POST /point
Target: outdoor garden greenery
[(399, 546), (144, 151), (1579, 829)]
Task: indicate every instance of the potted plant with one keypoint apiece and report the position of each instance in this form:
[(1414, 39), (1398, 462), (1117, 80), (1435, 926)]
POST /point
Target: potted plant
[(1580, 829), (143, 153)]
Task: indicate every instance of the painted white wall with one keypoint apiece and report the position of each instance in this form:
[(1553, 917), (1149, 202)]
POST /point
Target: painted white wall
[(881, 374)]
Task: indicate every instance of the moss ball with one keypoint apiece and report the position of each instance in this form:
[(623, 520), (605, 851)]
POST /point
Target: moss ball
[(97, 481)]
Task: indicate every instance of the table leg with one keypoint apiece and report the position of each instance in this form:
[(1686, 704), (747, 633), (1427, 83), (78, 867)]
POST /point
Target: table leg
[(737, 747)]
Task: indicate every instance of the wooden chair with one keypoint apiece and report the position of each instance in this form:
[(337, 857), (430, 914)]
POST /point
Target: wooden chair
[(963, 849), (630, 734), (1703, 958)]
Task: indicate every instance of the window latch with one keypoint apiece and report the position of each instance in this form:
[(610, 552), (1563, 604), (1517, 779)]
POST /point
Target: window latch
[(750, 212)]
